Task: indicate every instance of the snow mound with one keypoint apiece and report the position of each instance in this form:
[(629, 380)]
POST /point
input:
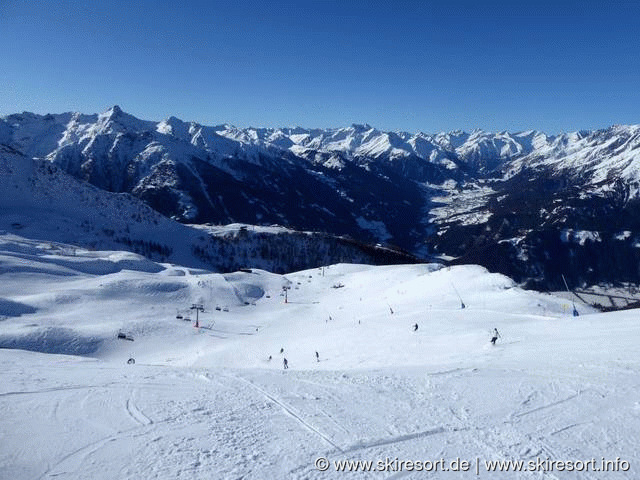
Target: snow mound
[(53, 340)]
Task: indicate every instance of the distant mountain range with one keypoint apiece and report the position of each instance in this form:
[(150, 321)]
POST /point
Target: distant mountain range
[(527, 204)]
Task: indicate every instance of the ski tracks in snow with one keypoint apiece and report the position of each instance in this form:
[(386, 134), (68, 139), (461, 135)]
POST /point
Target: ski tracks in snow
[(73, 461), (247, 424), (134, 412), (289, 411), (548, 405), (81, 410)]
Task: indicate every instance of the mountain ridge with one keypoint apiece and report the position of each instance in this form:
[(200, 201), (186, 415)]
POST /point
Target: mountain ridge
[(458, 194)]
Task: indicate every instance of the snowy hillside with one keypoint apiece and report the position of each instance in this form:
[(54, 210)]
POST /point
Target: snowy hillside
[(40, 201), (209, 402)]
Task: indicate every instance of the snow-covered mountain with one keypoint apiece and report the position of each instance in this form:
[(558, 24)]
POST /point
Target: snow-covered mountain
[(505, 200), (84, 144), (383, 361), (41, 201)]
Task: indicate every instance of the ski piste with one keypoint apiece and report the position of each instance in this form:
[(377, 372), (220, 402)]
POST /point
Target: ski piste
[(208, 401)]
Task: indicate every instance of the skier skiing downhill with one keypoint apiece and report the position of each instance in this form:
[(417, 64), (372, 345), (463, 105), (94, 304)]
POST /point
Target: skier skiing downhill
[(495, 336), (317, 356), (285, 363), (415, 327)]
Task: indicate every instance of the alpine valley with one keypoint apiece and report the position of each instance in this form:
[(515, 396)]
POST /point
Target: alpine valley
[(528, 205)]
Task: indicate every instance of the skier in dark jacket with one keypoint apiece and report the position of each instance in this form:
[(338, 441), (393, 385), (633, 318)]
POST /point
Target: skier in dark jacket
[(495, 336), (317, 356), (285, 363), (415, 327)]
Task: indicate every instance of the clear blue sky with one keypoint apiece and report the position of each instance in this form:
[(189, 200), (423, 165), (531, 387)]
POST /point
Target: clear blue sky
[(398, 65)]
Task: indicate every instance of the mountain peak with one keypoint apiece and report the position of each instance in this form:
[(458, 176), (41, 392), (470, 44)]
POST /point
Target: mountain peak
[(173, 126), (116, 120), (110, 114), (114, 111)]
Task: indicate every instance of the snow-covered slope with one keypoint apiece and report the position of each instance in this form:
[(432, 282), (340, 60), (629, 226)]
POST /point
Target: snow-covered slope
[(40, 201), (209, 402)]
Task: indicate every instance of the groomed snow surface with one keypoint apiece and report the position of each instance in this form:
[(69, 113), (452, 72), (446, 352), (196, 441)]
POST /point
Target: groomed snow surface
[(207, 403)]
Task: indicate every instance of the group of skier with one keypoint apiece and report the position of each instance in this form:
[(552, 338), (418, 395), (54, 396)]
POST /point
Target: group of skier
[(495, 335), (285, 362)]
